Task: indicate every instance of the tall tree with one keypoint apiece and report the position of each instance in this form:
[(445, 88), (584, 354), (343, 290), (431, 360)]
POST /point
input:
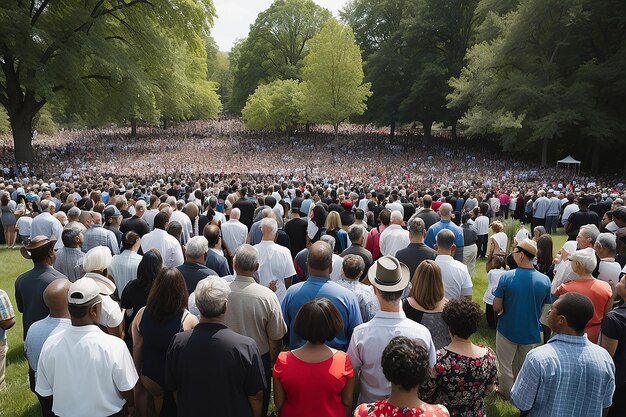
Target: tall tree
[(274, 106), (276, 46), (83, 50), (551, 76), (333, 84)]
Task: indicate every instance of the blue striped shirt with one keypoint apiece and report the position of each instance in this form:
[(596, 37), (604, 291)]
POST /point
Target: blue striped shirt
[(569, 377)]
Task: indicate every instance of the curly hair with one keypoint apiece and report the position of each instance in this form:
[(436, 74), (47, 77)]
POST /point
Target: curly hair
[(462, 317), (405, 363)]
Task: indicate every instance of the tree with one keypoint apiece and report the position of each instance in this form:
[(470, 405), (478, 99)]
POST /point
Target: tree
[(275, 47), (333, 84), (4, 122), (551, 74), (274, 106), (86, 53)]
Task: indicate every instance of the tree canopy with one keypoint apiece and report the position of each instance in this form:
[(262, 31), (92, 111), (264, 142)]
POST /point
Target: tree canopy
[(274, 106)]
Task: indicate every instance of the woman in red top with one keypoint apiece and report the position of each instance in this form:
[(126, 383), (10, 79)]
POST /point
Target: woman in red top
[(405, 365), (314, 380)]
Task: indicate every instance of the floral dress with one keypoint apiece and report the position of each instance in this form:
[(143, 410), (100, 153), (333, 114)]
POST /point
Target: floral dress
[(382, 408), (460, 382)]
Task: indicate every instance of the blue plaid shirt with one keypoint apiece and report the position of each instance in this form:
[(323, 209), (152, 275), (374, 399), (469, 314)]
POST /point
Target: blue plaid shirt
[(569, 377), (6, 311)]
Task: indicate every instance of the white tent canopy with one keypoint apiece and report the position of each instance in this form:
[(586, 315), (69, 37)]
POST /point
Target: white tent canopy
[(568, 161)]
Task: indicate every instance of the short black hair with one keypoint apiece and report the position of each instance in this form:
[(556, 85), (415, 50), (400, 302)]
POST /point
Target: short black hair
[(318, 321), (405, 363), (160, 220), (577, 309), (462, 317)]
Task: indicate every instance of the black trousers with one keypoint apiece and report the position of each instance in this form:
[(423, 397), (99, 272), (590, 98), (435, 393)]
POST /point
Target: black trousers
[(267, 368), (492, 317), (482, 245), (619, 401)]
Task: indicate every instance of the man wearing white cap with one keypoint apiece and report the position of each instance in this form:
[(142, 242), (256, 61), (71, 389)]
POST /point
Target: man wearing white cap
[(389, 277), (86, 372)]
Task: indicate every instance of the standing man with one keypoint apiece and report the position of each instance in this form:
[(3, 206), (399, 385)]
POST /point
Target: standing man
[(296, 230), (457, 281), (45, 224), (166, 244), (318, 284), (445, 212), (569, 376), (519, 298), (413, 255), (97, 235), (194, 269), (246, 207), (553, 213), (426, 214), (7, 320), (212, 369), (540, 209), (254, 311), (389, 278), (234, 232), (357, 235), (83, 370), (69, 259), (394, 237), (276, 268), (137, 223)]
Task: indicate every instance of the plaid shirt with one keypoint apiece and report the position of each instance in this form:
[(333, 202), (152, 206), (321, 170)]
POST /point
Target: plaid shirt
[(97, 235), (569, 376), (6, 311)]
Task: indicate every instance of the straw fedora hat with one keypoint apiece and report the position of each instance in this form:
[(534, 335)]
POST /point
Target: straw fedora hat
[(389, 275), (38, 243)]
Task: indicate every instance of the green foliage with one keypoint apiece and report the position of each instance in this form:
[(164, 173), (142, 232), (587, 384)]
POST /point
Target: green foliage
[(5, 127), (333, 77), (275, 47), (45, 124), (274, 106), (219, 71)]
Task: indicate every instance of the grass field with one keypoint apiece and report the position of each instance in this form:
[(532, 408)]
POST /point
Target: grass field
[(17, 400)]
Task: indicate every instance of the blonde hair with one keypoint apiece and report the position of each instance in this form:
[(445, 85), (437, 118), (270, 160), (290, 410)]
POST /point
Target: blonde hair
[(427, 283), (496, 226), (333, 221)]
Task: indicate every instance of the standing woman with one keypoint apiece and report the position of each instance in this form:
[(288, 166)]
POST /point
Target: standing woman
[(314, 380), (334, 229), (8, 219), (499, 243), (154, 326)]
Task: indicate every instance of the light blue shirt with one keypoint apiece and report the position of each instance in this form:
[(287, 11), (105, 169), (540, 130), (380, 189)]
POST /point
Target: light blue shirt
[(569, 376), (554, 208), (37, 335), (540, 207), (431, 235)]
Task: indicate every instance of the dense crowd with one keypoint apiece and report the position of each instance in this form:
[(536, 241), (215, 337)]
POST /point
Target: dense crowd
[(205, 273)]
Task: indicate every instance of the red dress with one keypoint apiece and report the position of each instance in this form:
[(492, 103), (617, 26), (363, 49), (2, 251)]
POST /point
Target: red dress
[(313, 389), (383, 409)]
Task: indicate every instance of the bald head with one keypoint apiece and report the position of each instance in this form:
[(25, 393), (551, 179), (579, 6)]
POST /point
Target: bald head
[(445, 211), (55, 297), (235, 213), (320, 259), (396, 217)]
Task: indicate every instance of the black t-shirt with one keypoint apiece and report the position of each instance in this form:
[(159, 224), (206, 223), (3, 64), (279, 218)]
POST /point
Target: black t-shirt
[(581, 218), (136, 224), (409, 210), (296, 230), (247, 211), (194, 273), (614, 326), (213, 370), (413, 255)]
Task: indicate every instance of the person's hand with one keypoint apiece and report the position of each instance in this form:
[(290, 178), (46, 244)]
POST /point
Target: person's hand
[(273, 285)]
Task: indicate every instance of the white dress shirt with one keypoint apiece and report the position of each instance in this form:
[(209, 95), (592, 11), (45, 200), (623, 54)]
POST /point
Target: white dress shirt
[(368, 342), (392, 239), (123, 268), (185, 222), (166, 244), (47, 225), (457, 282), (234, 234), (274, 264)]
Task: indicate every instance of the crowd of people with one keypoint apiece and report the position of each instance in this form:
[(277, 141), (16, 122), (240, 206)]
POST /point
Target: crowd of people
[(307, 269)]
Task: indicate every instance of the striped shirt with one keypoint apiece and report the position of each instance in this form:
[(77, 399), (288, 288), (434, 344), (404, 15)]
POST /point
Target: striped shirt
[(6, 311), (97, 235), (69, 262), (569, 376)]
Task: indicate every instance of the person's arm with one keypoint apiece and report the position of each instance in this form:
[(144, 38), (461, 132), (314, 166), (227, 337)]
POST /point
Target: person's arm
[(256, 403), (7, 324), (130, 402), (609, 344), (275, 348), (137, 340), (288, 281), (498, 306), (279, 394), (609, 304), (117, 331), (347, 394)]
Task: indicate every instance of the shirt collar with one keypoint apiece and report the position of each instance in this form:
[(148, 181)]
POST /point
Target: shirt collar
[(390, 314), (443, 258), (566, 338), (318, 278), (241, 278)]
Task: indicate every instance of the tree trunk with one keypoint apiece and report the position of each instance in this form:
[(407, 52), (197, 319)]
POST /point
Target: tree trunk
[(336, 126), (165, 124), (544, 152), (133, 128), (392, 130), (428, 127), (23, 139), (455, 134), (307, 127)]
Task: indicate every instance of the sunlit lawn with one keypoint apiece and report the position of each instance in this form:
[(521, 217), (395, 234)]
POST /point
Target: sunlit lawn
[(17, 400)]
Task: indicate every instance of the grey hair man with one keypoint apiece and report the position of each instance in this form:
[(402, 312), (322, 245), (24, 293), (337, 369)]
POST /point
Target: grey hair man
[(276, 268), (194, 268), (234, 233), (606, 250), (357, 235), (211, 348), (45, 224), (394, 237), (416, 252), (254, 311)]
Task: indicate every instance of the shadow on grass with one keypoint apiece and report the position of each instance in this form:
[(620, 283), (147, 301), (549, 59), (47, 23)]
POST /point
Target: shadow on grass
[(32, 411), (15, 354)]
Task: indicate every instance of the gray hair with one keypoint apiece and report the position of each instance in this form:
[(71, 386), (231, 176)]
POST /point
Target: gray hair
[(45, 205), (69, 235), (396, 216), (97, 259), (585, 258), (235, 213), (73, 212), (269, 224), (246, 258), (211, 296), (196, 247), (141, 205), (445, 209), (416, 226), (591, 231), (353, 266), (608, 241), (355, 232), (330, 240)]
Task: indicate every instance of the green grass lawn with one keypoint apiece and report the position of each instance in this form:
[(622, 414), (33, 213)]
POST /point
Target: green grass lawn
[(17, 400)]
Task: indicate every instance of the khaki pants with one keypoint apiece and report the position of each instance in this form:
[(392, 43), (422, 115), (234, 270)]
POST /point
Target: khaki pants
[(4, 348), (510, 357)]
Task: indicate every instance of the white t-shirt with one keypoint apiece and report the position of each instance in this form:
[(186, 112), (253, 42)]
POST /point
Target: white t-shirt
[(85, 369), (481, 223), (274, 264), (457, 282), (493, 277), (23, 225), (609, 271)]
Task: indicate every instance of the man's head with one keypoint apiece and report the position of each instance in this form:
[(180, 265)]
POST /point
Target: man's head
[(112, 216), (235, 214), (211, 297), (427, 200), (55, 298), (85, 218), (196, 249), (212, 234), (352, 266), (389, 277), (140, 208), (396, 217), (587, 236), (445, 242), (46, 206), (72, 237), (525, 252), (445, 211), (320, 259), (356, 234), (161, 220), (570, 314), (73, 214), (246, 260), (269, 228), (619, 216), (84, 302), (417, 229), (606, 245), (40, 250)]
